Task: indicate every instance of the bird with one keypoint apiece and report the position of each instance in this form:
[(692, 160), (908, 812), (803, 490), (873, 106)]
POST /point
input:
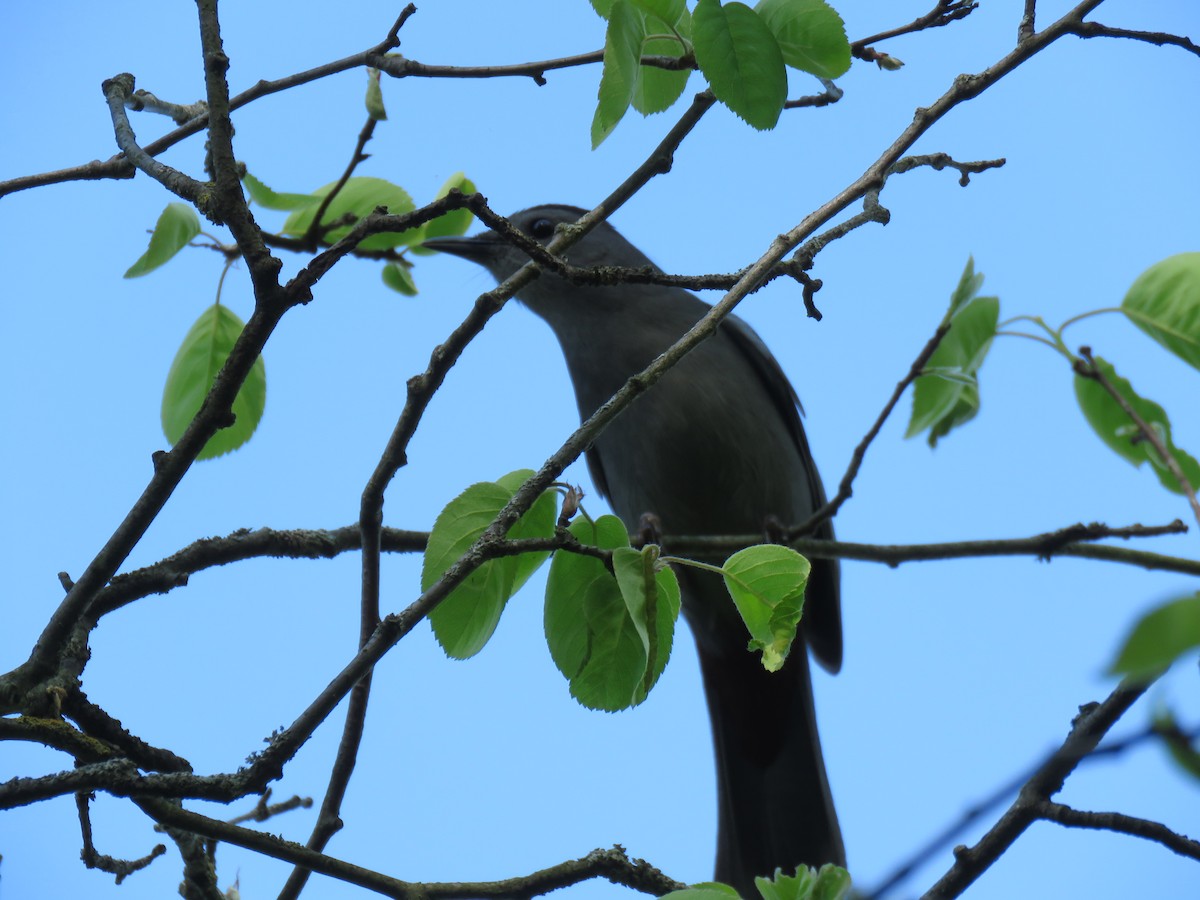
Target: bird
[(715, 447)]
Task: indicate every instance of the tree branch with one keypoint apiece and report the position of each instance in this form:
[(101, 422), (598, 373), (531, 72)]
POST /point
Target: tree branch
[(1089, 727), (1122, 824)]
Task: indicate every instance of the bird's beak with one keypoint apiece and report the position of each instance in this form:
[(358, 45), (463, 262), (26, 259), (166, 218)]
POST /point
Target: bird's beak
[(477, 249)]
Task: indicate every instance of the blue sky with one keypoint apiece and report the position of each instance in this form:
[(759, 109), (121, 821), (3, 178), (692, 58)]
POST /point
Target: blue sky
[(958, 675)]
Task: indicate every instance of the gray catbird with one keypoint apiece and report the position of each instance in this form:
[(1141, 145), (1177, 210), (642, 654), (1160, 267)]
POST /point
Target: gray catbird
[(716, 447)]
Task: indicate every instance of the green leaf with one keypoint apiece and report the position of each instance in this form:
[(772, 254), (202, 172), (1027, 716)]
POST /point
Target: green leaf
[(570, 580), (193, 371), (650, 590), (611, 646), (788, 887), (622, 52), (1117, 430), (811, 35), (269, 199), (450, 224), (1165, 303), (669, 11), (1159, 638), (1179, 745), (359, 197), (830, 882), (833, 883), (538, 521), (946, 395), (767, 584), (175, 228), (709, 890), (741, 60), (603, 8), (374, 98), (399, 278), (465, 621), (655, 89)]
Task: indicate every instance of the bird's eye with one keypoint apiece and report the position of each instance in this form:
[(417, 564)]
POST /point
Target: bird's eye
[(541, 228)]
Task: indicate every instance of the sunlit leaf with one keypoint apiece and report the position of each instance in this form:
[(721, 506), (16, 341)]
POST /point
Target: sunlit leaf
[(946, 395), (811, 35), (1165, 303), (450, 224), (359, 197), (269, 199), (622, 52), (767, 584), (200, 357), (466, 619), (175, 228), (1121, 433), (1159, 638)]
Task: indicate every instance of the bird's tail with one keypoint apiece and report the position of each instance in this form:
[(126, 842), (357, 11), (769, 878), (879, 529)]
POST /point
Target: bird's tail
[(775, 808)]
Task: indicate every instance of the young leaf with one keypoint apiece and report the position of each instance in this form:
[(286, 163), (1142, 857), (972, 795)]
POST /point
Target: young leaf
[(269, 199), (176, 226), (399, 278), (611, 646), (1159, 638), (741, 60), (830, 882), (811, 35), (464, 622), (787, 887), (359, 197), (1164, 302), (374, 99), (193, 371), (622, 52), (767, 584), (946, 395), (1117, 430)]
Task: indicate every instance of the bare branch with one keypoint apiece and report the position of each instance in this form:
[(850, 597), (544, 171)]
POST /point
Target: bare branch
[(1093, 722), (1122, 824), (117, 91), (945, 12), (121, 868), (1095, 29)]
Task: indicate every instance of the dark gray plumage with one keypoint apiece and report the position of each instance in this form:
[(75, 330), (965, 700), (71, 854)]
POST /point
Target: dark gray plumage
[(716, 447)]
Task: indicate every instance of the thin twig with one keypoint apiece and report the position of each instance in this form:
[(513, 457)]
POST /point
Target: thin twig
[(1120, 823), (1159, 38), (315, 230), (846, 487), (121, 868)]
